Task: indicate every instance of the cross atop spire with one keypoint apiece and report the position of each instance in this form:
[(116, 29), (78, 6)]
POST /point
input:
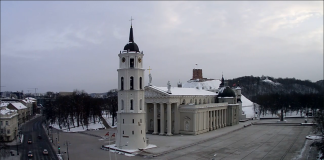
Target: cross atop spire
[(131, 21)]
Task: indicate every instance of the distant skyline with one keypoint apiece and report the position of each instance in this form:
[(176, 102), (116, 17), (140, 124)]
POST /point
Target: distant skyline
[(68, 45)]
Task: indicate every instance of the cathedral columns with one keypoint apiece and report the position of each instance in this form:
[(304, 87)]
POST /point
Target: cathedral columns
[(225, 117), (216, 119), (155, 120), (162, 119), (169, 119), (146, 119), (194, 123), (223, 121)]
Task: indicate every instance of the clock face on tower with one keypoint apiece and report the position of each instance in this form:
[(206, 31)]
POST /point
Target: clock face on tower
[(139, 60), (123, 59)]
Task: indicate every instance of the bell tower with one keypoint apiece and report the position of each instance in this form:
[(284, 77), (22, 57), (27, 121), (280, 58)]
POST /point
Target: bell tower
[(131, 125)]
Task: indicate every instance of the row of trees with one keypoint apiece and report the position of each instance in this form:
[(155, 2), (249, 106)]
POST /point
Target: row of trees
[(80, 109), (289, 102)]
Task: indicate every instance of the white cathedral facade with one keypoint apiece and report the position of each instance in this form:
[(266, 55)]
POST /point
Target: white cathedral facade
[(167, 110)]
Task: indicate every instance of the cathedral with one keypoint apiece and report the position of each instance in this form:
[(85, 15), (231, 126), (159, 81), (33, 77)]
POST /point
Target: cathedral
[(167, 110)]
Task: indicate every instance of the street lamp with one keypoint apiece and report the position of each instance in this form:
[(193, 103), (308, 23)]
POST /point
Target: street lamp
[(67, 149)]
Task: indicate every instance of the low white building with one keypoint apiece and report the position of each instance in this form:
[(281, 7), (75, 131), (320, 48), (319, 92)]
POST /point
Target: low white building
[(8, 124)]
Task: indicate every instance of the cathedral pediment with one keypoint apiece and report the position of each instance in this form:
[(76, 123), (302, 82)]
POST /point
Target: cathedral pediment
[(152, 92)]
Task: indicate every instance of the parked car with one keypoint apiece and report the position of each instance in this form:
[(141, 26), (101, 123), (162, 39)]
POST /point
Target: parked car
[(45, 152), (30, 154), (29, 141)]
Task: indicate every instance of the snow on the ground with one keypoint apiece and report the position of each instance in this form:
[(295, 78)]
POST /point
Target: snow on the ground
[(313, 137), (270, 82), (91, 126), (112, 146), (108, 119)]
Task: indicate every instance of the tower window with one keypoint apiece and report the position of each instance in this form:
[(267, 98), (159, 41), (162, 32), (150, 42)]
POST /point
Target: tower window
[(131, 104), (122, 104), (141, 131), (131, 63), (133, 121), (122, 83), (140, 82), (123, 121), (131, 83), (141, 104), (133, 132), (123, 132)]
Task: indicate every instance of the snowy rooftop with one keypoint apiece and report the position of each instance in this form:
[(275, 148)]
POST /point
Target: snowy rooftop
[(207, 85), (184, 91), (19, 105), (7, 112)]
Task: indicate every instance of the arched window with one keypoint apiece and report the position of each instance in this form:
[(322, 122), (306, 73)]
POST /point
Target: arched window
[(184, 101), (131, 63), (131, 83), (141, 104), (140, 82), (131, 104), (122, 104), (122, 83)]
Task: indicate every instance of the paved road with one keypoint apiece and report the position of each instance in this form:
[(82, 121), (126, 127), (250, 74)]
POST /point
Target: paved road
[(31, 130), (255, 142)]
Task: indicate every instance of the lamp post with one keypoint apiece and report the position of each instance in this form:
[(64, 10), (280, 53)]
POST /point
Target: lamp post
[(67, 149)]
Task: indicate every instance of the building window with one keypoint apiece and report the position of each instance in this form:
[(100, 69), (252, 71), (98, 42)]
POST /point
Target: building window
[(131, 63), (131, 104), (1, 130), (140, 82), (122, 104), (204, 101), (7, 123), (0, 123), (141, 104), (199, 101), (123, 132), (141, 131), (133, 121), (123, 121), (8, 131), (195, 101), (122, 83), (133, 132), (140, 120), (131, 83)]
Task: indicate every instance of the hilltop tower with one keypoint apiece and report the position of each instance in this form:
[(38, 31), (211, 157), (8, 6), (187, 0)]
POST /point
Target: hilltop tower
[(131, 126)]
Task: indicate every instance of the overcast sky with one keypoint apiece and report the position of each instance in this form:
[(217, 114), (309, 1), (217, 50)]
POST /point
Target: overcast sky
[(62, 46)]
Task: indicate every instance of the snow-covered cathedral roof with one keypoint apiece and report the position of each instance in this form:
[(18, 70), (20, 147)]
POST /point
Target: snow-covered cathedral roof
[(184, 91), (206, 85)]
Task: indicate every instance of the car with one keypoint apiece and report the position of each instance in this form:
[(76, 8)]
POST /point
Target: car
[(30, 154), (29, 141), (39, 137), (45, 152)]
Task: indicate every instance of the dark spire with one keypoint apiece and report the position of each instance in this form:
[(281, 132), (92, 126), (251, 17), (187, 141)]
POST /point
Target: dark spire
[(131, 37), (131, 46)]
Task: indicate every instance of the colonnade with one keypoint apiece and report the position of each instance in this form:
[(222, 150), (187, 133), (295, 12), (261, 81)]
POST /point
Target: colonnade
[(217, 119)]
